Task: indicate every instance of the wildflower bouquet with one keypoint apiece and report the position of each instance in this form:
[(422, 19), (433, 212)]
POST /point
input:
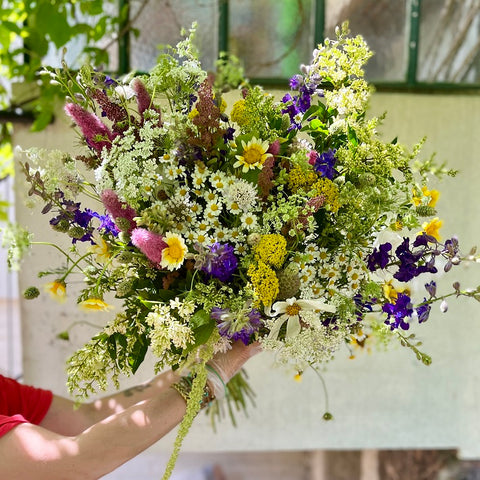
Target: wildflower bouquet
[(264, 223)]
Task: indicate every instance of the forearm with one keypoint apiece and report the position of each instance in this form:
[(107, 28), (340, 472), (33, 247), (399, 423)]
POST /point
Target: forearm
[(63, 418), (31, 452), (119, 401)]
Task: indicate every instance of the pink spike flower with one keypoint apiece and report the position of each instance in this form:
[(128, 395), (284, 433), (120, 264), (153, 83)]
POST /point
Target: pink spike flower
[(149, 243), (144, 101), (119, 210), (96, 133)]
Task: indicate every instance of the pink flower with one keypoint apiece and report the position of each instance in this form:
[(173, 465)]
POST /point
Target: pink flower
[(312, 157), (144, 101), (119, 210), (96, 133), (149, 243), (274, 148)]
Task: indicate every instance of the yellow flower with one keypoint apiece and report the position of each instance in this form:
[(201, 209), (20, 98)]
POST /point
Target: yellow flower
[(254, 155), (431, 228), (391, 293), (297, 179), (101, 250), (57, 290), (95, 304), (272, 249), (326, 187), (174, 253), (238, 114), (193, 113), (432, 194), (264, 281)]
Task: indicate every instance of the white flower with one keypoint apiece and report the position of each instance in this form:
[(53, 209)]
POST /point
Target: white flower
[(290, 311), (249, 220)]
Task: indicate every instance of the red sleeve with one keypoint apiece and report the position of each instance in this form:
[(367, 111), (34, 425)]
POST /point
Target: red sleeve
[(21, 403)]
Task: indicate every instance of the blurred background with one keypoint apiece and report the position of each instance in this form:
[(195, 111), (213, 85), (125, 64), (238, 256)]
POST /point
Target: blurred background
[(394, 418)]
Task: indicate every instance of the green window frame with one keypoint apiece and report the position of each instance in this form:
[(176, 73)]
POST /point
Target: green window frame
[(409, 84)]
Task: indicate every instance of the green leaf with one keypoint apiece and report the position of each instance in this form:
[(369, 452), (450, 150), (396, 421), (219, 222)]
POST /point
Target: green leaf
[(199, 318), (52, 21), (137, 355), (352, 136)]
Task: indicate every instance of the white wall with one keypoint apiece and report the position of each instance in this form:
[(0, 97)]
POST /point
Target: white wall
[(382, 400)]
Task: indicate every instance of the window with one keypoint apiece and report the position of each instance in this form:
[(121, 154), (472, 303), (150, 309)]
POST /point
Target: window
[(419, 44)]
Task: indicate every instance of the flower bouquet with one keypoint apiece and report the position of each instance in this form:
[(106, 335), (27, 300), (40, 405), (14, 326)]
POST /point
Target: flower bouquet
[(284, 221)]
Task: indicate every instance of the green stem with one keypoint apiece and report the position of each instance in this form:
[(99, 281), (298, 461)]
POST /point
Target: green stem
[(53, 245)]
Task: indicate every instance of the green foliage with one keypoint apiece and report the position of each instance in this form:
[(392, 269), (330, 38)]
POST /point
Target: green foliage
[(31, 30)]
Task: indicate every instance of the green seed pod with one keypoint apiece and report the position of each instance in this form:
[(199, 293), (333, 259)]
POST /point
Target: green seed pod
[(425, 211), (288, 282), (31, 292), (62, 226), (76, 232), (367, 180)]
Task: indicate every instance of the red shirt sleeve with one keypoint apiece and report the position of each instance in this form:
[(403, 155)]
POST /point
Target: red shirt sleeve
[(21, 404)]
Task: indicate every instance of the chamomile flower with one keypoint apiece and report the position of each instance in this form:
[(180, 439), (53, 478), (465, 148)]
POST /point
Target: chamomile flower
[(174, 253), (249, 220), (292, 311), (213, 208), (253, 156)]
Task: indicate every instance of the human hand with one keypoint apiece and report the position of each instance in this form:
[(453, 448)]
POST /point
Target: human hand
[(224, 366)]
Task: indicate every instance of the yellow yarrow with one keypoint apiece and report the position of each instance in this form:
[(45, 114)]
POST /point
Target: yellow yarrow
[(238, 113), (265, 282), (271, 249), (329, 190), (298, 179)]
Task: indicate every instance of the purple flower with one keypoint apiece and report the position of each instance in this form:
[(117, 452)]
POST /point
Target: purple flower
[(106, 224), (424, 240), (379, 258), (324, 164), (412, 263), (423, 311), (220, 261), (431, 288), (296, 82), (399, 312), (225, 322)]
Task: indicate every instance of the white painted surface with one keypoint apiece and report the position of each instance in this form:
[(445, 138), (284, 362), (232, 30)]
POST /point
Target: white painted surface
[(382, 400)]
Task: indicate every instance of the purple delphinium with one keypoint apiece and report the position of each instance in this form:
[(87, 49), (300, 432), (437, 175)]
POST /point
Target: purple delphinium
[(298, 104), (399, 312), (412, 263), (325, 164), (219, 261), (362, 305), (423, 311), (380, 257), (431, 288), (225, 322)]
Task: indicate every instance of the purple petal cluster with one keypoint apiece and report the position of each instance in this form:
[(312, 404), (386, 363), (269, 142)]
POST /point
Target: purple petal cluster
[(220, 261), (325, 164), (225, 320), (411, 260), (71, 213), (380, 257), (399, 312), (298, 104)]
